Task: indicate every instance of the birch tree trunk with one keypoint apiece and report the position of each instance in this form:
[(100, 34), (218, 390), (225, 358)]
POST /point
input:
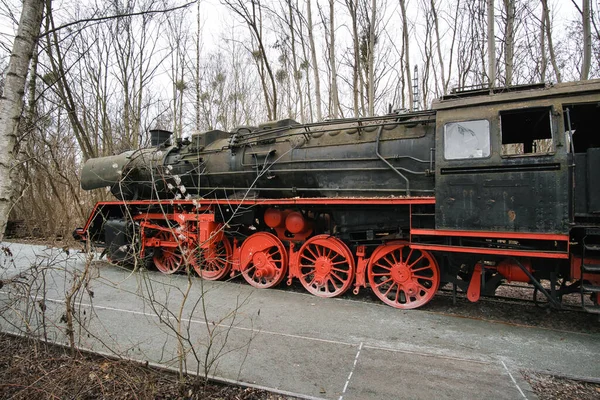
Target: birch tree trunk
[(587, 40), (356, 88), (548, 24), (335, 102), (406, 52), (371, 59), (509, 41), (491, 44), (11, 102), (544, 59), (313, 56), (297, 73), (439, 46)]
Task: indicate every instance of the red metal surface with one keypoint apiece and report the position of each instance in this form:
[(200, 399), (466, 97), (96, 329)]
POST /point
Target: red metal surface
[(361, 267), (474, 290), (576, 269), (512, 272), (296, 223), (490, 235), (403, 277), (212, 262), (201, 203), (274, 218), (263, 260), (325, 266), (483, 250), (168, 258)]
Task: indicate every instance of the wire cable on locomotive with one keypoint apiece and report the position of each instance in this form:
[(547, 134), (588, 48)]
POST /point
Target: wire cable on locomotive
[(484, 188)]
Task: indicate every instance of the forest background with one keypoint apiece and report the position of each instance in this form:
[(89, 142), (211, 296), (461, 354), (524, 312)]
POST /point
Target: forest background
[(103, 73)]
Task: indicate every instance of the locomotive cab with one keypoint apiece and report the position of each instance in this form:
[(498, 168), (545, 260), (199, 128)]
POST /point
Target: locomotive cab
[(505, 161)]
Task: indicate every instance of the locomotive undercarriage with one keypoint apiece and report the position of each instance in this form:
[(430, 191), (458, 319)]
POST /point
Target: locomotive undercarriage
[(330, 248)]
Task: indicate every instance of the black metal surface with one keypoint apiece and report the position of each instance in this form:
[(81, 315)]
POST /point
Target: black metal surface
[(524, 195), (367, 157), (593, 180), (159, 137)]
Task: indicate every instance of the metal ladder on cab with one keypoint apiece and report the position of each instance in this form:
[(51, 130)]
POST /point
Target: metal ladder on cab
[(590, 270)]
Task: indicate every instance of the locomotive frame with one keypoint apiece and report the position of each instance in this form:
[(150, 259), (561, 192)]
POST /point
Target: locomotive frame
[(489, 186)]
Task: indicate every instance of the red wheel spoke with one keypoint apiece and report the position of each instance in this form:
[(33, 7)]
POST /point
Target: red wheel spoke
[(340, 262), (389, 260), (345, 271), (336, 287), (398, 295), (423, 287), (421, 269), (390, 289), (383, 266), (312, 260), (333, 274), (381, 283), (418, 259), (423, 277), (410, 253)]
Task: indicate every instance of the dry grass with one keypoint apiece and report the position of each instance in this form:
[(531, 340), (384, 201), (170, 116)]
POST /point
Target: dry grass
[(30, 369)]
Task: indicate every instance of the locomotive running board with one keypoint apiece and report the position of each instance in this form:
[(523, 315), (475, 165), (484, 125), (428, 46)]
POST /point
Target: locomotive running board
[(553, 240)]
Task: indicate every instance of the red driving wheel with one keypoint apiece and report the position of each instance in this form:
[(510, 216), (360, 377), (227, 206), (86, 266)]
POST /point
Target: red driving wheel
[(326, 266), (263, 260), (212, 263), (168, 259), (403, 277)]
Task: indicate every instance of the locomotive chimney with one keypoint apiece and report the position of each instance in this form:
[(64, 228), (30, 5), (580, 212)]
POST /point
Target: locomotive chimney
[(159, 137)]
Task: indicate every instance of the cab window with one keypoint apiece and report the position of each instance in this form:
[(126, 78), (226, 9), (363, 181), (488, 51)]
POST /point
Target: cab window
[(467, 139), (526, 131)]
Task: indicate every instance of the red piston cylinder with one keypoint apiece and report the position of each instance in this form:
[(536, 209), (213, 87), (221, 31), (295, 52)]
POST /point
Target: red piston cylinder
[(512, 272), (295, 223), (274, 218)]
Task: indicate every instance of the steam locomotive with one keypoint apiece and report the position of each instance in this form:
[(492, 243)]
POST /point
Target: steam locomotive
[(488, 186)]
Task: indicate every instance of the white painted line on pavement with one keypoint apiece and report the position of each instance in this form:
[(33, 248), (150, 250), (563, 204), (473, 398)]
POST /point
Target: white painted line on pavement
[(288, 335), (513, 379), (203, 321), (420, 353), (351, 372)]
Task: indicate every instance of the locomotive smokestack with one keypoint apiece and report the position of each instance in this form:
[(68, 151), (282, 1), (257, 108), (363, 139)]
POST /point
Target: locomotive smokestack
[(159, 137)]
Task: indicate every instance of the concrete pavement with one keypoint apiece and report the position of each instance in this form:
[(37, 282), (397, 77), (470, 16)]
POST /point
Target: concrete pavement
[(295, 342)]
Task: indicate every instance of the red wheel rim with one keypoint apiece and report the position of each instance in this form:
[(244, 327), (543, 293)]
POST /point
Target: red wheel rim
[(168, 259), (326, 266), (403, 277), (263, 260), (212, 263)]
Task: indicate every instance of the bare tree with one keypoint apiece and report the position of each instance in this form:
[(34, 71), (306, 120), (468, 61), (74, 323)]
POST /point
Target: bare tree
[(371, 59), (548, 26), (405, 41), (438, 46), (313, 57), (491, 44), (11, 101), (297, 73), (253, 18), (335, 102), (587, 40), (509, 41), (357, 77)]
